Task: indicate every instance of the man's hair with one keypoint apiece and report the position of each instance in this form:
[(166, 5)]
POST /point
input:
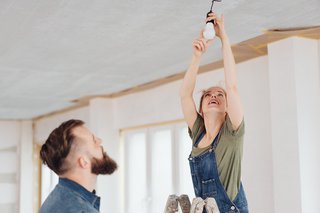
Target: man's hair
[(57, 147)]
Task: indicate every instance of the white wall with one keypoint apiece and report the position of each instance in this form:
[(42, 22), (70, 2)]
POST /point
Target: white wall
[(163, 104), (101, 122), (295, 113), (26, 167), (262, 164), (9, 171), (16, 166), (44, 126), (308, 110)]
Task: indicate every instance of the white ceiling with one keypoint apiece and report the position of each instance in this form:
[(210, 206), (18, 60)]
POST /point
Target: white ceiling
[(55, 51)]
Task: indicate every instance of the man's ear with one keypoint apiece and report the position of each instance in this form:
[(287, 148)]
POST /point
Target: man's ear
[(84, 162)]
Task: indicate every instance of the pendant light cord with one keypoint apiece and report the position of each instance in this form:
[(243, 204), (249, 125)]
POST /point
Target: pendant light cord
[(211, 5)]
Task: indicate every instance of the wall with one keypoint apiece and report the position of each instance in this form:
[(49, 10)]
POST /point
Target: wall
[(163, 104), (9, 167), (44, 126), (263, 94), (295, 113), (16, 166)]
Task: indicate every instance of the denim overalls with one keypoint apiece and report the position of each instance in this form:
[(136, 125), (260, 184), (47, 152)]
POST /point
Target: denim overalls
[(206, 182)]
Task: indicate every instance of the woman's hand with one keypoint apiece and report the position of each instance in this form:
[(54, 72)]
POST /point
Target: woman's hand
[(200, 45), (218, 25)]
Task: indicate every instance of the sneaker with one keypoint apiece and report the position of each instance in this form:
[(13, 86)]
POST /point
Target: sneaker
[(211, 205), (184, 203), (172, 204), (197, 205)]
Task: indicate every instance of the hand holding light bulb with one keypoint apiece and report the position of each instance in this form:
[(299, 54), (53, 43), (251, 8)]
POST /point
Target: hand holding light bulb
[(217, 29), (209, 32)]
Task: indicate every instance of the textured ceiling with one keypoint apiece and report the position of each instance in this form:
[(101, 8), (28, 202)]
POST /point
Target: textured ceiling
[(53, 52)]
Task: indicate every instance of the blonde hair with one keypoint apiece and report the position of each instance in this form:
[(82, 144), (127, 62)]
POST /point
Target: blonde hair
[(205, 91)]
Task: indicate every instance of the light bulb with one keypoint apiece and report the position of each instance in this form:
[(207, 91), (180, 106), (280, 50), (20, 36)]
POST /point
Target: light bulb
[(208, 32)]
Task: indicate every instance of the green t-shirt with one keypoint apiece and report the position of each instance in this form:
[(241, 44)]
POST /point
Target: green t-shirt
[(228, 153)]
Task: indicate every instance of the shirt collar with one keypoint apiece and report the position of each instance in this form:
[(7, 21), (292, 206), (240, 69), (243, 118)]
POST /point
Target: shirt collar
[(89, 196)]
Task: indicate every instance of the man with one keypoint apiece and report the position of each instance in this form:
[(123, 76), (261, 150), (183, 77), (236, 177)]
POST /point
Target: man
[(77, 157)]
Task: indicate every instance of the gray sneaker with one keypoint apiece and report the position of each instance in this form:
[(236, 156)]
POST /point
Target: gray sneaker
[(197, 205), (184, 203), (211, 205), (172, 204)]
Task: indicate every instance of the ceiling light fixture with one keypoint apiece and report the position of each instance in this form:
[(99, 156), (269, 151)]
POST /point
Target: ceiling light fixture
[(208, 32)]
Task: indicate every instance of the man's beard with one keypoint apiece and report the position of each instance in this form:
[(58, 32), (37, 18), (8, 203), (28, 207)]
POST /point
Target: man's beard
[(103, 166)]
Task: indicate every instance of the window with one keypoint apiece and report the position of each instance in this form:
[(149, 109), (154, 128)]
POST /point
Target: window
[(156, 165), (8, 178), (161, 168), (136, 168), (49, 180)]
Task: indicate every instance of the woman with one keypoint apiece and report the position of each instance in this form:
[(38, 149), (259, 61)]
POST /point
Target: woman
[(217, 130)]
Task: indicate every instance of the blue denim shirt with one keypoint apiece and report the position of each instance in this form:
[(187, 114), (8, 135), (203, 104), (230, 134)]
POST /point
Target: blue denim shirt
[(70, 197)]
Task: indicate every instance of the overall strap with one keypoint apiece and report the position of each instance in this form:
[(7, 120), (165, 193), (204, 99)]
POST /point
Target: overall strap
[(214, 144), (199, 138)]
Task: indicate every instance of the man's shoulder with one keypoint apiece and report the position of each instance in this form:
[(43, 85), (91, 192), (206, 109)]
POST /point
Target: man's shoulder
[(62, 200)]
